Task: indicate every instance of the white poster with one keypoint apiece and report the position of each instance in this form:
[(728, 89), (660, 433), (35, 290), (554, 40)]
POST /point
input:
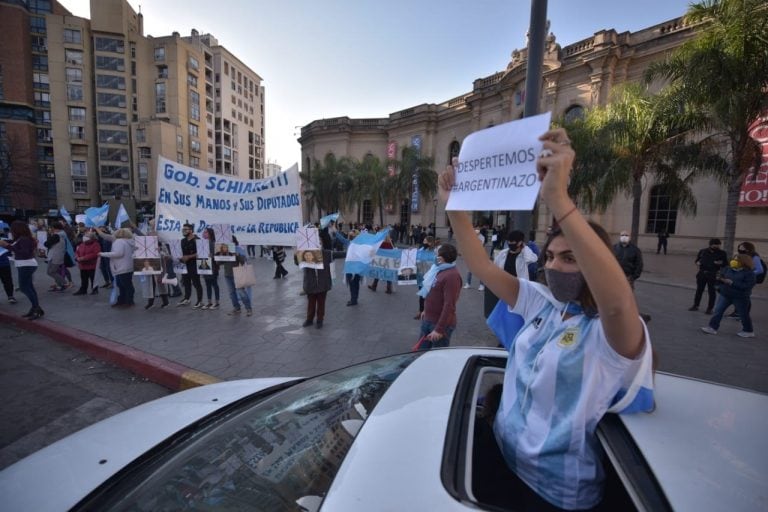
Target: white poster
[(307, 239), (497, 167), (261, 212)]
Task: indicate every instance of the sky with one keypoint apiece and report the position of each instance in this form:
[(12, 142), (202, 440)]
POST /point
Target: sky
[(369, 58)]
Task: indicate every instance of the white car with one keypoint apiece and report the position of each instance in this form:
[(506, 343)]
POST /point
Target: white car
[(398, 433)]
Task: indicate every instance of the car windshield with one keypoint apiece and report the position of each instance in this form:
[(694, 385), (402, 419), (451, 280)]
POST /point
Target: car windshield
[(280, 454)]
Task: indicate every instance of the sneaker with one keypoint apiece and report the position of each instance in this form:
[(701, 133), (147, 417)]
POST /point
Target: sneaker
[(213, 306), (199, 305), (693, 308), (745, 334), (248, 312), (12, 300), (234, 312), (708, 330), (307, 323), (466, 286), (182, 302), (481, 287), (95, 290), (208, 306)]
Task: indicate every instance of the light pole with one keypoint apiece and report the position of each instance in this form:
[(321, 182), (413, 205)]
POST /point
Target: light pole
[(434, 222)]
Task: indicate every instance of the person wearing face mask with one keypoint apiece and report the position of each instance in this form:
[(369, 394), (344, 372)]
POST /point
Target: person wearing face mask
[(583, 349), (709, 261), (736, 283), (513, 260), (440, 289), (87, 258), (189, 258), (758, 268), (630, 258)]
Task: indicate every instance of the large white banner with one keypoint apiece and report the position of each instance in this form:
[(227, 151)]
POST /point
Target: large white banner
[(261, 212)]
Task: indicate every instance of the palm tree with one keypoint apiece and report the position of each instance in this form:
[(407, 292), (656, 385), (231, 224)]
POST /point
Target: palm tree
[(371, 184), (723, 72), (328, 185), (413, 165), (638, 136)]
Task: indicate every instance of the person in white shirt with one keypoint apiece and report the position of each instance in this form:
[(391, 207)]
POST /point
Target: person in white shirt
[(582, 351)]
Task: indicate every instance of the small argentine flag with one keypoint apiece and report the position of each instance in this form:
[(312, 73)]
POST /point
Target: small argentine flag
[(97, 215), (362, 250), (65, 215), (122, 216), (325, 221)]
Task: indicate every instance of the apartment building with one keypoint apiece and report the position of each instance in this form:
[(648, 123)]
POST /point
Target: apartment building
[(272, 169), (106, 101)]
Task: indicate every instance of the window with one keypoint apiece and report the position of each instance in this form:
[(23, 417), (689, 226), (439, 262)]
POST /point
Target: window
[(180, 157), (192, 80), (141, 135), (40, 62), (159, 98), (74, 76), (194, 146), (367, 212), (662, 211), (118, 118), (79, 186), (76, 132), (453, 150), (194, 130), (39, 43), (42, 99), (113, 137), (113, 154), (162, 71), (105, 99), (74, 92), (40, 81), (107, 44), (574, 113), (179, 142), (43, 134), (193, 63), (73, 56), (110, 63), (115, 189), (133, 54), (160, 54), (143, 171), (76, 114), (37, 24), (118, 172), (110, 82), (73, 36), (79, 168), (145, 152), (43, 117), (194, 106), (40, 6), (226, 69), (194, 162)]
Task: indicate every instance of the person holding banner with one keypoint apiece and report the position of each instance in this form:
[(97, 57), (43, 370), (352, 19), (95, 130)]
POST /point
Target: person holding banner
[(583, 350), (189, 258)]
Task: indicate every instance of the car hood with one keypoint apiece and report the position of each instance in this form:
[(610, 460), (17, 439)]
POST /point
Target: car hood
[(57, 477), (706, 443)]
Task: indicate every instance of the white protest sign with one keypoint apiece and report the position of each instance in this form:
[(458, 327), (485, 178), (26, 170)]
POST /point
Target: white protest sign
[(146, 247), (222, 232), (264, 212), (307, 239), (497, 167)]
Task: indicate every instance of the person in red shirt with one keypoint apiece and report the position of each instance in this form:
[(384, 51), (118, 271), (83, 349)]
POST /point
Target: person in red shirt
[(441, 288), (87, 257)]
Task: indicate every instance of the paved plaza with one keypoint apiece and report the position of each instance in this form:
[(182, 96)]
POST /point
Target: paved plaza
[(272, 342)]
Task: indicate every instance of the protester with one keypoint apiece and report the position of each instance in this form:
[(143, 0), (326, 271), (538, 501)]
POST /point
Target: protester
[(105, 245), (211, 280), (630, 258), (515, 260), (748, 248), (236, 295), (7, 277), (24, 248), (152, 285), (121, 264), (735, 288), (278, 255), (317, 282), (57, 247), (386, 244), (353, 280), (583, 341), (427, 245), (481, 237), (440, 289), (87, 257), (189, 258), (709, 261)]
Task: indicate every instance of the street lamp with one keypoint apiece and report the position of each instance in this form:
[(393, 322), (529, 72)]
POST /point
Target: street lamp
[(434, 223)]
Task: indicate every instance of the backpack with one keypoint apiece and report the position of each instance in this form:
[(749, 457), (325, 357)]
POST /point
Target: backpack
[(760, 278)]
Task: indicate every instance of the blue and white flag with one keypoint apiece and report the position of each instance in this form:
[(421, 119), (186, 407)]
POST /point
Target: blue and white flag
[(122, 216), (362, 250), (65, 215), (97, 215), (325, 221)]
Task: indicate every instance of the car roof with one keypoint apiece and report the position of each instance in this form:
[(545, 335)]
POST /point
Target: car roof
[(706, 443), (396, 458), (60, 475)]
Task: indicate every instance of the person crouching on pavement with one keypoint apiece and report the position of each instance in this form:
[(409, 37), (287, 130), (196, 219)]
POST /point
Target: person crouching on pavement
[(440, 289)]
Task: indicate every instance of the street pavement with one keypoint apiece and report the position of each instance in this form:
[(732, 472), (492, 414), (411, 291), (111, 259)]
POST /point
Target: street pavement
[(272, 342)]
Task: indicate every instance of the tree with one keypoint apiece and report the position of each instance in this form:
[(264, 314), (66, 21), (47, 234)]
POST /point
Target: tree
[(637, 136), (399, 187), (370, 184), (723, 74), (328, 186)]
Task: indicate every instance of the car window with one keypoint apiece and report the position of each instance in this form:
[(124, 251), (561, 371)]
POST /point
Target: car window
[(277, 454)]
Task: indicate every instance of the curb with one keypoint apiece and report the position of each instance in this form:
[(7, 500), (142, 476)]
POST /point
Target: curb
[(159, 370), (659, 281)]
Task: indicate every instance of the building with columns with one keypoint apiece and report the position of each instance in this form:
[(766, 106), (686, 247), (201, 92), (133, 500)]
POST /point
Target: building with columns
[(576, 77)]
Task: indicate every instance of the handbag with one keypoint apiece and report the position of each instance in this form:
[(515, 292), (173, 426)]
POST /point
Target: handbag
[(244, 276), (167, 280)]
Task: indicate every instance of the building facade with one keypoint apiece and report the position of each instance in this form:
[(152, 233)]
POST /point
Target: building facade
[(105, 101), (575, 77)]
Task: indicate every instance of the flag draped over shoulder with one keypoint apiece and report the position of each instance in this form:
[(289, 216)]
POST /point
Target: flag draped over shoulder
[(362, 250), (122, 216), (97, 215)]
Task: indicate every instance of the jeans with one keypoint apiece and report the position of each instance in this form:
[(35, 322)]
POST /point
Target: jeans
[(26, 286), (7, 278), (212, 287), (125, 288), (280, 270), (469, 279), (106, 272), (707, 279), (742, 309), (353, 280), (54, 271), (243, 294), (427, 327)]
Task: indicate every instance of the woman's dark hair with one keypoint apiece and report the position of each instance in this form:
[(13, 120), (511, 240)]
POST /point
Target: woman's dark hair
[(587, 301), (749, 247), (448, 253), (211, 234), (20, 229)]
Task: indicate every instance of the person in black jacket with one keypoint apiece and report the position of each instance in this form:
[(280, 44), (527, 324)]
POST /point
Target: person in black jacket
[(189, 258), (709, 261), (278, 255), (630, 258)]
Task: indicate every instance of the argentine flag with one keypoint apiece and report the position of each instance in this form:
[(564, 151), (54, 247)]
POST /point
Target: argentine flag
[(122, 216), (65, 215), (362, 250), (324, 221), (97, 215)]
